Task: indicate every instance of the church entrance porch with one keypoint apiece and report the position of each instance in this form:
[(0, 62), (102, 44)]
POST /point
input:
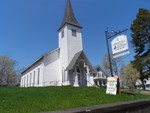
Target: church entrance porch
[(79, 74), (79, 70)]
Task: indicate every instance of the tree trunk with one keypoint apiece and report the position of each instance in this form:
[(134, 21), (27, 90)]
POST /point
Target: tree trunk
[(143, 84)]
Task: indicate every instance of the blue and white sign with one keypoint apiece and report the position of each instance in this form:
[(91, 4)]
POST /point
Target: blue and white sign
[(119, 44)]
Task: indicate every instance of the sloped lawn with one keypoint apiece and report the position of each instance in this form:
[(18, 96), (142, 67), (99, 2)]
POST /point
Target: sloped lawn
[(34, 100)]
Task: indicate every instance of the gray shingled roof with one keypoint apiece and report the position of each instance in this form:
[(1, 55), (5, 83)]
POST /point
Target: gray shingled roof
[(39, 59), (69, 17), (75, 58)]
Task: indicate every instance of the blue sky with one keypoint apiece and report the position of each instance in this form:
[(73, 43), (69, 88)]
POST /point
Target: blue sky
[(28, 28)]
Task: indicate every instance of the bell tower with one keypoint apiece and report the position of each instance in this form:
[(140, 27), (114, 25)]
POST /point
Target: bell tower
[(70, 36)]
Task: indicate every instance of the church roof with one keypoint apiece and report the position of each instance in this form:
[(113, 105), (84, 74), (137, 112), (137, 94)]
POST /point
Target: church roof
[(39, 59), (76, 57), (69, 17)]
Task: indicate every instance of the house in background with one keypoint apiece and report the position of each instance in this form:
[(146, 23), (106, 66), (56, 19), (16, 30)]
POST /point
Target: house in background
[(99, 76), (67, 64), (138, 84)]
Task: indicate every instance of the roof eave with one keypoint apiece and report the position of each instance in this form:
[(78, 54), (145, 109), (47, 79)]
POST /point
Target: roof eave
[(32, 64), (78, 26)]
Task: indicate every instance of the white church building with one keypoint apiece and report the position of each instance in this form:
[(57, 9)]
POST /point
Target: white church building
[(67, 64)]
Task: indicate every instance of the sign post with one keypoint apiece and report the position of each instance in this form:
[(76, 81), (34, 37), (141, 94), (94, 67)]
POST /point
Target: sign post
[(108, 36), (119, 48)]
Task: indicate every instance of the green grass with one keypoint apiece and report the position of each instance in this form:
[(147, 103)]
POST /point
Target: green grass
[(34, 100)]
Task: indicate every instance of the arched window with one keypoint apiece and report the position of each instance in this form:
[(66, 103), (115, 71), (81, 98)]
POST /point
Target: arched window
[(30, 78), (24, 81), (34, 78), (27, 80), (78, 70), (38, 77)]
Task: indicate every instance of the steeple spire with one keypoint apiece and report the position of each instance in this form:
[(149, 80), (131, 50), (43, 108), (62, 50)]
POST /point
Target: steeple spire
[(69, 17)]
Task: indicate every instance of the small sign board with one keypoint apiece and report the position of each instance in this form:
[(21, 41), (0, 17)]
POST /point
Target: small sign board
[(119, 44), (121, 54), (111, 85)]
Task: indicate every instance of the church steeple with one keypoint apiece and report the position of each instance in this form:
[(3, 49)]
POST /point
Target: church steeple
[(69, 17)]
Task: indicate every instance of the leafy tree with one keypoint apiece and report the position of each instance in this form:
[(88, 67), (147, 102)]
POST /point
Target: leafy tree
[(7, 71), (131, 76), (141, 41)]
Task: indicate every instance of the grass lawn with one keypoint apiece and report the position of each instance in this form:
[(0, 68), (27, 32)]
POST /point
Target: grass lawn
[(34, 100)]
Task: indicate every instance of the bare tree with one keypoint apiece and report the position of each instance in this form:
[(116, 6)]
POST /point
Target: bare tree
[(18, 75), (116, 64), (7, 71), (122, 75)]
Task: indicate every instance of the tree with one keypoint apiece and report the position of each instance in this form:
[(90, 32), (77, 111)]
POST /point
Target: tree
[(116, 63), (18, 75), (141, 41), (131, 76), (7, 71), (122, 75)]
